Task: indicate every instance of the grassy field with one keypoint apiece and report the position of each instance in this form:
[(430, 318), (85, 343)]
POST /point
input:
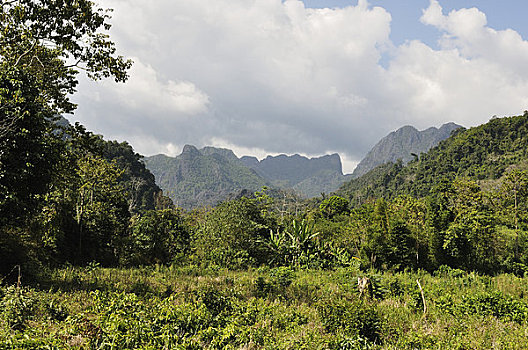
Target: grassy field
[(278, 308)]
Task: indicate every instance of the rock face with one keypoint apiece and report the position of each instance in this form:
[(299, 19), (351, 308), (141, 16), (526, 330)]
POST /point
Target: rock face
[(402, 144), (209, 175), (308, 176), (202, 177)]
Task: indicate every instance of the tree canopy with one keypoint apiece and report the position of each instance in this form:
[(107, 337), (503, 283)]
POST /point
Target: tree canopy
[(43, 46)]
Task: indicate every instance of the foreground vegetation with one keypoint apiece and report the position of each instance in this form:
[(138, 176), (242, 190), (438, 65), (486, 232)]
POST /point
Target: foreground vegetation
[(279, 308)]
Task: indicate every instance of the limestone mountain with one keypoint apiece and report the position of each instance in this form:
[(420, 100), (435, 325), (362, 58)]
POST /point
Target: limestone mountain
[(308, 176), (484, 153), (209, 175), (402, 144), (202, 177)]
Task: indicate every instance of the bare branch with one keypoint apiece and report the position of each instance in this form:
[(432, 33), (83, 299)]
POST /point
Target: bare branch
[(76, 65), (423, 297), (25, 53)]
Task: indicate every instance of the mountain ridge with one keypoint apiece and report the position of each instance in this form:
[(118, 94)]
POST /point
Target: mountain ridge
[(209, 175), (402, 144), (202, 177), (483, 153)]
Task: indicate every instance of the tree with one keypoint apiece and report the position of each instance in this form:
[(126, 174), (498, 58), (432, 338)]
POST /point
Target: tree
[(158, 236), (374, 244), (511, 205), (513, 195), (231, 234), (101, 211), (471, 239), (439, 215), (401, 246), (333, 206), (412, 212), (43, 45)]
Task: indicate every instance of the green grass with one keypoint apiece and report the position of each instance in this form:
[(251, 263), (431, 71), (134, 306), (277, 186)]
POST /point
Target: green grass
[(194, 308)]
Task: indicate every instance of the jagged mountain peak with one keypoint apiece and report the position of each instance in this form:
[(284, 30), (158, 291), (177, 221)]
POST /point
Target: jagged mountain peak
[(224, 152), (190, 150), (401, 144), (205, 176), (310, 176)]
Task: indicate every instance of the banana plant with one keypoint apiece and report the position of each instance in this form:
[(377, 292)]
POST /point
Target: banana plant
[(290, 245), (301, 236), (278, 246)]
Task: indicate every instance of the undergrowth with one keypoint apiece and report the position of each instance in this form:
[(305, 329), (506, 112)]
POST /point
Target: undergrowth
[(268, 308)]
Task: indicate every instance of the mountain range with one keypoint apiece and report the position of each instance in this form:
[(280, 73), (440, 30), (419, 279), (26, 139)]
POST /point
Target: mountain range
[(206, 176)]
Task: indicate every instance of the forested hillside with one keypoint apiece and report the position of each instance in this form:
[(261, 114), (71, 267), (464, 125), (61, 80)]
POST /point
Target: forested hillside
[(480, 153), (405, 144), (202, 177), (139, 183)]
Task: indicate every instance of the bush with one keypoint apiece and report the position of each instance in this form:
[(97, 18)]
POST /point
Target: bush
[(56, 310), (17, 307), (280, 278), (351, 318), (446, 271), (495, 304)]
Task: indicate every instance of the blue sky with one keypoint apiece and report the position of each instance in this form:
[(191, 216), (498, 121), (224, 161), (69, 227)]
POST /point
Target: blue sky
[(501, 14), (315, 77)]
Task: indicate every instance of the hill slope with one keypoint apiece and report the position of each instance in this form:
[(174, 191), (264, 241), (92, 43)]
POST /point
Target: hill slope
[(202, 177), (401, 144), (142, 191), (480, 153)]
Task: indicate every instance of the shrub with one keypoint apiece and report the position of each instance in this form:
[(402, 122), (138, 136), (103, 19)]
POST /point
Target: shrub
[(446, 271), (495, 304), (215, 302), (351, 318), (280, 278), (17, 307), (56, 310)]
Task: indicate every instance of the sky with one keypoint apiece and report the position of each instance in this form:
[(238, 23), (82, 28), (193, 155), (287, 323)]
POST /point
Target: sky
[(306, 77)]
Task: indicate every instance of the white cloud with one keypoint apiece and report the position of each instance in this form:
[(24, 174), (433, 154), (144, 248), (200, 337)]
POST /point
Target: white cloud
[(271, 76), (474, 75), (145, 90), (467, 31)]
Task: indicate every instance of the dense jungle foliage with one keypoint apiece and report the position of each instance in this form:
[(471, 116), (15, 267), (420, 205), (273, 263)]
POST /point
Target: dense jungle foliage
[(92, 255), (444, 271)]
